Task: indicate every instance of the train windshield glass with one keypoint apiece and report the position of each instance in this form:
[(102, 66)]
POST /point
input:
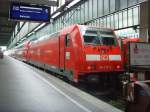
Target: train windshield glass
[(95, 36), (108, 40), (91, 37)]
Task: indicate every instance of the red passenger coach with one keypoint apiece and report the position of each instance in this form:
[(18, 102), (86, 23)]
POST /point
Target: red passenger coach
[(78, 52)]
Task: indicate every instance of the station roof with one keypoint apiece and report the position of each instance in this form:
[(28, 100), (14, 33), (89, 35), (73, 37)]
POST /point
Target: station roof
[(6, 26)]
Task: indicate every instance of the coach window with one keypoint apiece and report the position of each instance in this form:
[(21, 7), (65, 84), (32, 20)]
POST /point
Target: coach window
[(67, 40)]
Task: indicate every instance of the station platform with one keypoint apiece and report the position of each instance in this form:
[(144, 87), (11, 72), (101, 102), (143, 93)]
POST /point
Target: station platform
[(24, 88)]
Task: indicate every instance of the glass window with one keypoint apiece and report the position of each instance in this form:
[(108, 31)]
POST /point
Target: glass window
[(112, 21), (91, 38), (59, 23), (97, 22), (112, 5), (90, 9), (136, 15), (108, 21), (93, 23), (120, 20), (67, 40), (123, 4), (54, 27), (132, 2), (130, 18), (106, 6), (71, 19), (95, 36), (67, 19), (95, 9), (102, 22), (116, 20), (86, 11), (108, 41), (100, 8), (78, 15), (140, 0), (105, 22), (125, 20), (82, 13), (74, 13)]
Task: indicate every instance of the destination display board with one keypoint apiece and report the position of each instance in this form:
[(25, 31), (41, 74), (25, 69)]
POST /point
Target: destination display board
[(139, 54), (26, 12)]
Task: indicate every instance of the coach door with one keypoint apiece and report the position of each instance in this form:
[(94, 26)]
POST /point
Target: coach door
[(68, 53), (62, 52), (65, 52)]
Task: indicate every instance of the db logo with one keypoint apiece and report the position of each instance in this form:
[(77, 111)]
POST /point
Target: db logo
[(104, 57)]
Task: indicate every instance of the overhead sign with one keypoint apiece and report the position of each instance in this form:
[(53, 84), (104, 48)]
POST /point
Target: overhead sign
[(25, 12), (39, 2), (140, 55)]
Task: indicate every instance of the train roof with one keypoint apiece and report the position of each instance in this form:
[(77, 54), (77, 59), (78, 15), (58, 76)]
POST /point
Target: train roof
[(67, 30), (70, 28), (89, 26)]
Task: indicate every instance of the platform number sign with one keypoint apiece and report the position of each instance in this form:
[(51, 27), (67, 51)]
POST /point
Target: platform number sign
[(27, 12)]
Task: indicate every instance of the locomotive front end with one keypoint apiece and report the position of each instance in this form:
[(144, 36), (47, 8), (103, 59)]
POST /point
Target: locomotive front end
[(102, 53)]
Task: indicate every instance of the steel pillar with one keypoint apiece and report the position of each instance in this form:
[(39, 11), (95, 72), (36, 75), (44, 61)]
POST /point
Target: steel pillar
[(145, 31)]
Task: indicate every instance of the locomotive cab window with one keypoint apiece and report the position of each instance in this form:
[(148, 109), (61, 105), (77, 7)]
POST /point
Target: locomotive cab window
[(95, 36), (108, 38), (67, 40), (91, 37)]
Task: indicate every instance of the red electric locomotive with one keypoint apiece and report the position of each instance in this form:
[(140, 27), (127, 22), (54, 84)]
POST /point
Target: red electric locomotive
[(78, 52)]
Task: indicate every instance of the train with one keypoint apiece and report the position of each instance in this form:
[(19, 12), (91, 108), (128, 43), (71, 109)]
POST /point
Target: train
[(79, 52)]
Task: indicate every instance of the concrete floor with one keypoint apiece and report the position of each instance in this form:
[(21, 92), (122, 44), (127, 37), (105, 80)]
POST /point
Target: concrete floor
[(26, 89)]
